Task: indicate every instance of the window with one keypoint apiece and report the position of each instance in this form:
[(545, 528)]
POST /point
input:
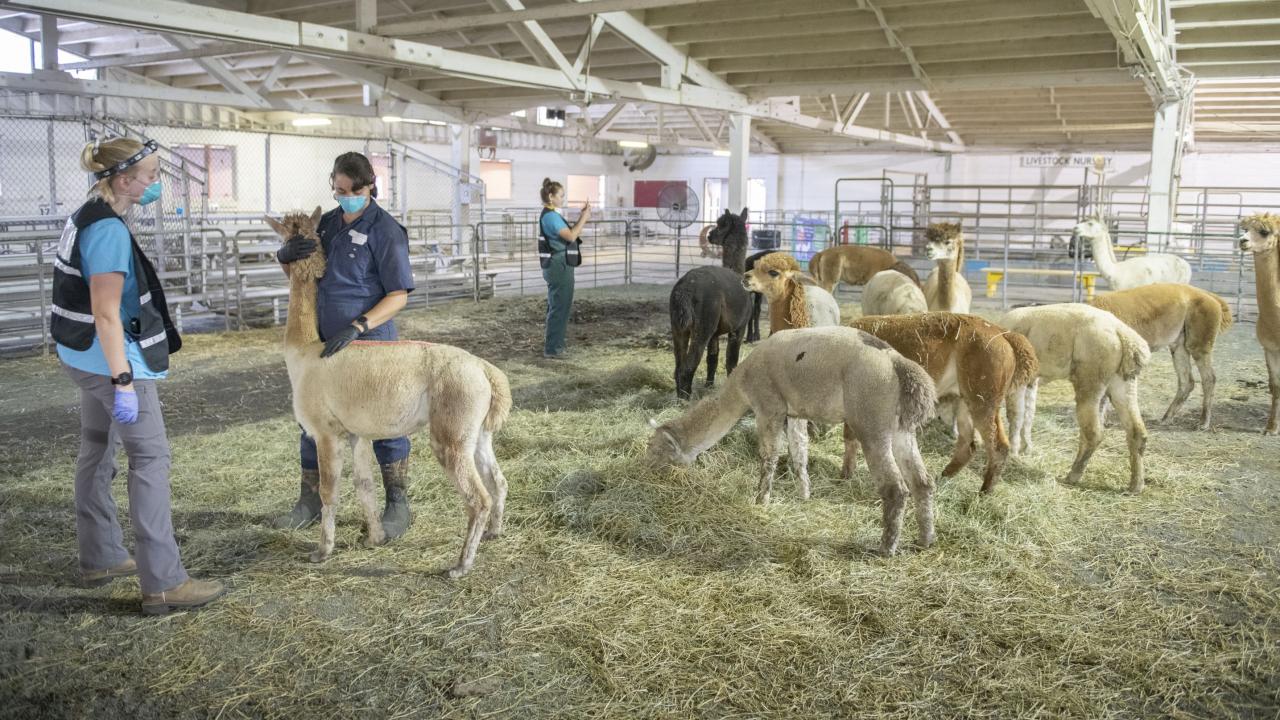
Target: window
[(497, 179), (584, 188), (220, 163), (18, 54), (715, 197)]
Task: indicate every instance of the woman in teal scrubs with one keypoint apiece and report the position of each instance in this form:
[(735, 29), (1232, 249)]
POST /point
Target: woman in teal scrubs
[(558, 254)]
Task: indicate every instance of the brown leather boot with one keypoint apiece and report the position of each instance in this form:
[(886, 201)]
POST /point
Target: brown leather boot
[(305, 512), (95, 578), (188, 595), (396, 516)]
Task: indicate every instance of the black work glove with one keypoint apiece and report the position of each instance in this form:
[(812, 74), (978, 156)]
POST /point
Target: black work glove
[(341, 340), (296, 248)]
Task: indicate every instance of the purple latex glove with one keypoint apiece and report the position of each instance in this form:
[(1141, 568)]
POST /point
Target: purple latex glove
[(125, 409)]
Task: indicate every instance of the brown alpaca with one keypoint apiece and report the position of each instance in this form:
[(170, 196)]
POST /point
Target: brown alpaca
[(967, 357), (374, 390), (946, 290), (1185, 319), (855, 265), (794, 302), (1260, 233)]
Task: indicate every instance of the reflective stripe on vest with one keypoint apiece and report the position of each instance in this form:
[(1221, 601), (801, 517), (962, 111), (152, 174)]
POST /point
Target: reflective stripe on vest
[(57, 262), (71, 315), (148, 342)]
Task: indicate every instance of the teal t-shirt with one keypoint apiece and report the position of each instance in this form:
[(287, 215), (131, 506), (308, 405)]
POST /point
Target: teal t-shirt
[(104, 248), (552, 223)]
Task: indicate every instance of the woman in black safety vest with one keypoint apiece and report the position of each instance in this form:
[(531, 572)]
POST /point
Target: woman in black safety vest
[(559, 252)]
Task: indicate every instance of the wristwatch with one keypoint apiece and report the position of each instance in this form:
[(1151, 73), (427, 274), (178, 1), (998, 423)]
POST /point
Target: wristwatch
[(362, 324), (123, 378)]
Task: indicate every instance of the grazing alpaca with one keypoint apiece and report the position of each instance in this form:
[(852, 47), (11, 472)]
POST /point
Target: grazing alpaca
[(946, 290), (1185, 319), (707, 249), (753, 326), (1260, 233), (855, 265), (1101, 356), (730, 233), (706, 303), (889, 292), (793, 302), (835, 374), (376, 390), (1135, 272), (969, 357)]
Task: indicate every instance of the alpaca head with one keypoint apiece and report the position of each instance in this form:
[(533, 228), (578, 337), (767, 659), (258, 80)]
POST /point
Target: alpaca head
[(946, 242), (295, 224), (664, 449), (728, 228), (1258, 233), (777, 276)]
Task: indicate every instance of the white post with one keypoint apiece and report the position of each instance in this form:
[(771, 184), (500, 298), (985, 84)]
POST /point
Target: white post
[(739, 153), (1166, 162), (366, 19), (49, 42), (461, 156)]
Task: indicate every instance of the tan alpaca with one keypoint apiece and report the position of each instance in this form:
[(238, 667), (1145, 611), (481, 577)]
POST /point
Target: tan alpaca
[(794, 302), (1185, 319), (373, 390), (967, 357), (946, 290), (1100, 356), (1260, 233), (855, 265), (832, 374)]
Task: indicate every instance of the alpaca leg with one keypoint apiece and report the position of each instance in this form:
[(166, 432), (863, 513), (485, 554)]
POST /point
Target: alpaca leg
[(1186, 382), (1124, 394), (962, 453), (1029, 413), (329, 455), (907, 454), (457, 455), (893, 491), (850, 453), (362, 474), (991, 428), (684, 370), (798, 453), (733, 350), (1208, 381), (1090, 430), (1273, 377), (1015, 404), (769, 432), (494, 482), (713, 359)]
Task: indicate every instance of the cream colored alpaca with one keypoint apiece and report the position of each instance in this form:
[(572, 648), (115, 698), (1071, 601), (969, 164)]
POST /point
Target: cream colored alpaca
[(946, 290), (1185, 319), (374, 390), (1100, 356), (832, 374), (1260, 233), (889, 292), (1146, 270)]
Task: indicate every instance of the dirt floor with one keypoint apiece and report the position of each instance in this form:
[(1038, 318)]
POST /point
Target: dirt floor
[(620, 592)]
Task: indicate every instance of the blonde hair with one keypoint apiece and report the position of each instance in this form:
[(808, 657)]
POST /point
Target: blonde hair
[(100, 155)]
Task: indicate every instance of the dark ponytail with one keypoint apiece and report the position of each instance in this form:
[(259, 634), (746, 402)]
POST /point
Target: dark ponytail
[(549, 187), (358, 168)]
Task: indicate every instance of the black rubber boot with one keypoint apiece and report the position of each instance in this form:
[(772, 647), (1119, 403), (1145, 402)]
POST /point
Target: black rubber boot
[(396, 517), (305, 512)]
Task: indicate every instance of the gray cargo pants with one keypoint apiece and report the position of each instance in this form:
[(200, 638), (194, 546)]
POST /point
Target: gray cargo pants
[(147, 447)]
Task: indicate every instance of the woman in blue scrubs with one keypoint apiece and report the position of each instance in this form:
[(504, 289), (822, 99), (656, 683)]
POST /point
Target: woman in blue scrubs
[(367, 280), (558, 254)]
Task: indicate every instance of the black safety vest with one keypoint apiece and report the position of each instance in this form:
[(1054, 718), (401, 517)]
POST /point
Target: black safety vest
[(71, 318), (572, 251)]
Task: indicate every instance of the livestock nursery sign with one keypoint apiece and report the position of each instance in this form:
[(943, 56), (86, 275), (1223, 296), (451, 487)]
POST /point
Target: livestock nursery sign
[(1056, 160)]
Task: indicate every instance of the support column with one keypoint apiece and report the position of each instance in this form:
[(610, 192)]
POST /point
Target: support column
[(739, 153), (461, 156), (49, 42), (366, 19), (1166, 164)]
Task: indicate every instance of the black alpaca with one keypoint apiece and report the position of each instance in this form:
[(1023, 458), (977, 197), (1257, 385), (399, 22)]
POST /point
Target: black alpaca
[(753, 326), (706, 303), (730, 233)]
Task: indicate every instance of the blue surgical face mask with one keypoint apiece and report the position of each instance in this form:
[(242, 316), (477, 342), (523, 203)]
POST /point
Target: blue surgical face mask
[(351, 204), (151, 194)]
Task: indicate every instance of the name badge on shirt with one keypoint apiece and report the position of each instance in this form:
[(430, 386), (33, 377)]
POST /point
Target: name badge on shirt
[(358, 238)]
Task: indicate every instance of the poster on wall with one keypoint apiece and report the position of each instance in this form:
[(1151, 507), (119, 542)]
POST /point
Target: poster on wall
[(645, 192)]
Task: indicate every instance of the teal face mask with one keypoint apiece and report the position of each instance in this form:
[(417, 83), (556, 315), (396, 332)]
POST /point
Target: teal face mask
[(351, 204), (151, 194)]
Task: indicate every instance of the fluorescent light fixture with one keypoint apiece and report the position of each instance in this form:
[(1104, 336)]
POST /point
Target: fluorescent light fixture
[(721, 153), (311, 121), (391, 119), (412, 121), (633, 144)]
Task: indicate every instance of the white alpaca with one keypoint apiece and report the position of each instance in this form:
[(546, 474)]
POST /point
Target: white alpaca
[(1100, 355), (1135, 272), (889, 292), (946, 290), (832, 374)]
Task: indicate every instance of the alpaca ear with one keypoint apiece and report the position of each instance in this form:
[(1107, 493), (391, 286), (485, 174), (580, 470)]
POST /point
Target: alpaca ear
[(281, 230), (315, 216), (653, 423), (744, 215)]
